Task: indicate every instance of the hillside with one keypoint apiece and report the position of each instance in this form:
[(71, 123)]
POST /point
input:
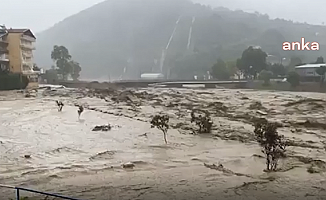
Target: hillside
[(116, 34)]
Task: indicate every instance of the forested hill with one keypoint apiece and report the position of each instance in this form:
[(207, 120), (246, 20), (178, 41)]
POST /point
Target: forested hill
[(116, 34)]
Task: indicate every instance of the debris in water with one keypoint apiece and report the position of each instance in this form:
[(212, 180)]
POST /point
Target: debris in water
[(128, 165), (261, 112), (244, 98), (226, 171), (219, 106), (311, 124), (257, 106), (102, 128), (143, 135), (302, 101)]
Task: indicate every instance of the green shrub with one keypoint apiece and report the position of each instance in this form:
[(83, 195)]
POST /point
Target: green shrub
[(13, 81), (293, 78), (266, 77)]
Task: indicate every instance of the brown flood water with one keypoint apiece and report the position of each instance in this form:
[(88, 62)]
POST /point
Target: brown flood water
[(68, 157)]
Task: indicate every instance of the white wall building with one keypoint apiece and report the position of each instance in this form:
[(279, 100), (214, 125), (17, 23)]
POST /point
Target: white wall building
[(308, 70)]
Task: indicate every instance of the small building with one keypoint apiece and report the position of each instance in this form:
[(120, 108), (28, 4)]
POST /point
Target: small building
[(152, 76), (308, 72)]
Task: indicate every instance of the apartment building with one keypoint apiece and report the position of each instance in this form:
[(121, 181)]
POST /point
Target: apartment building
[(20, 53), (4, 58)]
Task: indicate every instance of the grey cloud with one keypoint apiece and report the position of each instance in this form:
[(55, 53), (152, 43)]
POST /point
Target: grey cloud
[(42, 14)]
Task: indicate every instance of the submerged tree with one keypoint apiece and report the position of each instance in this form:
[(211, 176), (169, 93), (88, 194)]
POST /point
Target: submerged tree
[(272, 143), (203, 122), (161, 122), (76, 69)]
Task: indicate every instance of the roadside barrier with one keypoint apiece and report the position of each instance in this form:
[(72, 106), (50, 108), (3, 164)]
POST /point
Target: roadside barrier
[(18, 189)]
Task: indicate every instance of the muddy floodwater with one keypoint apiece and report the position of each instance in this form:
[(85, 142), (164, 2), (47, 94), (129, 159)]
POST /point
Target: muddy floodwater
[(44, 149)]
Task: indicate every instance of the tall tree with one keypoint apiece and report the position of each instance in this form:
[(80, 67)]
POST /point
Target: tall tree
[(233, 69), (220, 70), (253, 61), (61, 56), (294, 61), (320, 60), (278, 70), (76, 69), (321, 71)]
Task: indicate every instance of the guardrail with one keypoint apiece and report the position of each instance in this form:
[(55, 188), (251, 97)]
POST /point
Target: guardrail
[(18, 189)]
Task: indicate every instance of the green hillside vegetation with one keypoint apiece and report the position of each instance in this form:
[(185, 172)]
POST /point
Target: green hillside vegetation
[(116, 34)]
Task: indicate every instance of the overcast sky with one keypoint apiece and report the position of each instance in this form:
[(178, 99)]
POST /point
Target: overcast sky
[(310, 11), (42, 14), (39, 15)]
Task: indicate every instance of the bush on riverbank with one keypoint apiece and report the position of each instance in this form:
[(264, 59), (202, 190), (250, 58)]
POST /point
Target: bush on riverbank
[(13, 81)]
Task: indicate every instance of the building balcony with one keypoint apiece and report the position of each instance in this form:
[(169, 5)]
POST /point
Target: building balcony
[(27, 62), (3, 41), (3, 44), (4, 58), (27, 46), (28, 38), (3, 50), (27, 68), (27, 54)]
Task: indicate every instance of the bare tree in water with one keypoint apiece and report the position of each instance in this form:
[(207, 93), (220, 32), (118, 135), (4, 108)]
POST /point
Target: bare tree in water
[(272, 143), (161, 122), (203, 122)]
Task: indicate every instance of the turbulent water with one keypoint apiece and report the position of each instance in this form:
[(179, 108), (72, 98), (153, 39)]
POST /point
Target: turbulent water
[(66, 156)]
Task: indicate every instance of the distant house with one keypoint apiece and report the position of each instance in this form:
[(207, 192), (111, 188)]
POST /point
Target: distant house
[(308, 72)]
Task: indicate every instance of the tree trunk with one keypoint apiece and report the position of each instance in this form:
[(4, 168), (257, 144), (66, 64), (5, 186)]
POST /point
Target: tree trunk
[(164, 133)]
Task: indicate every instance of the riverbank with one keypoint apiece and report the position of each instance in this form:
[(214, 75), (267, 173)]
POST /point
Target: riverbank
[(254, 85), (285, 86)]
